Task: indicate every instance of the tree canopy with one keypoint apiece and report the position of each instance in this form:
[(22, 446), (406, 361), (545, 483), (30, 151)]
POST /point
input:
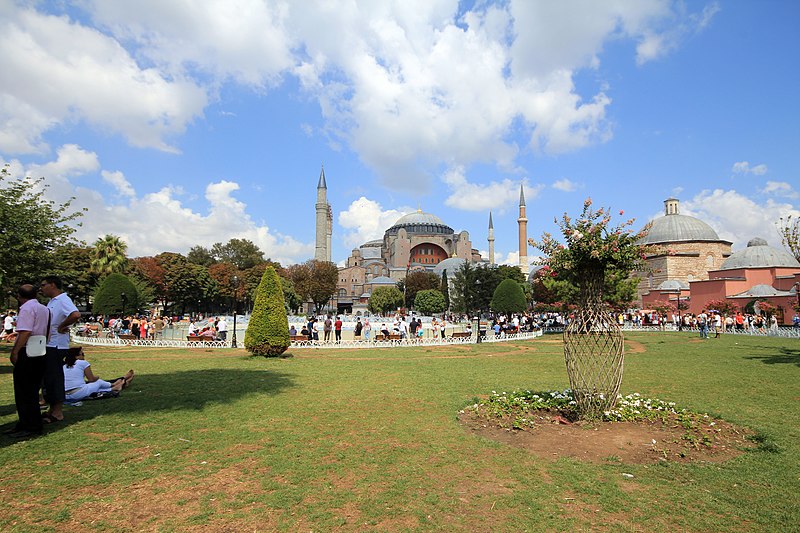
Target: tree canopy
[(385, 299), (315, 281), (109, 299), (509, 297), (32, 229), (429, 301), (415, 282), (267, 333), (109, 254)]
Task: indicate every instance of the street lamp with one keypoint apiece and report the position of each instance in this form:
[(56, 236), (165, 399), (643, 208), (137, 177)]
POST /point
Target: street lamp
[(680, 319), (235, 302), (124, 298)]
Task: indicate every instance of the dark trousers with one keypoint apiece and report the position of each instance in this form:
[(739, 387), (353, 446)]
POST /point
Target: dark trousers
[(338, 334), (28, 374), (53, 382)]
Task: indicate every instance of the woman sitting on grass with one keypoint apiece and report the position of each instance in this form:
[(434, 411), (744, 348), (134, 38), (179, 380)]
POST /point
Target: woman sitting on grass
[(80, 382)]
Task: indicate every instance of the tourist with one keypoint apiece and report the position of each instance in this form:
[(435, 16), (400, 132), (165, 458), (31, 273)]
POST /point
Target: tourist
[(773, 324), (314, 330), (80, 382), (337, 327), (717, 324), (8, 324), (367, 329), (385, 332), (357, 331), (158, 328), (702, 323), (222, 329), (292, 331), (327, 327), (442, 326), (63, 314)]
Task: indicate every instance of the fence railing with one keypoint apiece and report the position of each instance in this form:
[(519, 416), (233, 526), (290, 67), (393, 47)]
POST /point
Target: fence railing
[(789, 332)]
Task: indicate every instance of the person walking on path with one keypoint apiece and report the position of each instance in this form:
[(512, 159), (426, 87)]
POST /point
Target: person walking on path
[(702, 323), (29, 369), (63, 314), (327, 327)]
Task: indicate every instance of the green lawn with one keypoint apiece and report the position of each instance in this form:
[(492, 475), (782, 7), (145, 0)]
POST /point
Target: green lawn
[(368, 439)]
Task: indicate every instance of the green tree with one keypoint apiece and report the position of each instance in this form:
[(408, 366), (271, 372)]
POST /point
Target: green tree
[(429, 301), (445, 290), (109, 255), (108, 298), (73, 266), (187, 285), (31, 229), (268, 331), (789, 230), (509, 297), (385, 299), (418, 281), (200, 255), (464, 294), (315, 281), (241, 252)]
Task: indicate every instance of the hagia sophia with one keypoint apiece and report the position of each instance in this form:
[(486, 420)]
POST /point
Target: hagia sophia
[(687, 261)]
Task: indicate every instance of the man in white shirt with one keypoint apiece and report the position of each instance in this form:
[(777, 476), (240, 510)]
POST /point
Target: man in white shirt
[(222, 329), (63, 314)]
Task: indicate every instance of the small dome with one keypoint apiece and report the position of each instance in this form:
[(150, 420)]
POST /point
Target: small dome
[(451, 264), (382, 280), (759, 254), (420, 223), (673, 285), (760, 291), (674, 227)]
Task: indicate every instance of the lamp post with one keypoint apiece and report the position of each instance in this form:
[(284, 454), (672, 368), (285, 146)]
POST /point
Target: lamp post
[(680, 319), (235, 302), (124, 298), (478, 317)]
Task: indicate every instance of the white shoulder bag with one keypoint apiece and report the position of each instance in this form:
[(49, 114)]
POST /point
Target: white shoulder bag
[(37, 344)]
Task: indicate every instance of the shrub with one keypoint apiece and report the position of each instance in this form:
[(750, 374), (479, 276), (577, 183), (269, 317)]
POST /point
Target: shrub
[(108, 296), (384, 299), (429, 302), (268, 331), (509, 297)]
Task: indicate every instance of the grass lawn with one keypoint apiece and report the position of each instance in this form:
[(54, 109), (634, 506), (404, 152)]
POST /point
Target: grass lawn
[(368, 440)]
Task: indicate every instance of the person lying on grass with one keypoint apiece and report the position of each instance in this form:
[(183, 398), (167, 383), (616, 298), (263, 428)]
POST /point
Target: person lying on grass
[(80, 382)]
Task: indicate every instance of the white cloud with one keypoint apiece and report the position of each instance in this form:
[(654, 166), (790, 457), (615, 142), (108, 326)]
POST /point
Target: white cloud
[(780, 188), (743, 167), (367, 220), (565, 185), (483, 197), (90, 77), (157, 221), (737, 218)]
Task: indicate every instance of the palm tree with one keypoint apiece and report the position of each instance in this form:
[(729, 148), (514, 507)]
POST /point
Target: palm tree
[(109, 255)]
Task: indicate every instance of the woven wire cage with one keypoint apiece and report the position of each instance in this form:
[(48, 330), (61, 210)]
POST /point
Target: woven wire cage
[(594, 353)]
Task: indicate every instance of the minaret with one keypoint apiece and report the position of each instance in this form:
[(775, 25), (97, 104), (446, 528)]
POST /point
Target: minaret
[(491, 240), (322, 250), (523, 234)]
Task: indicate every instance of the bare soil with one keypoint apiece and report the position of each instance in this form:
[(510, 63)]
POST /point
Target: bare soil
[(641, 442)]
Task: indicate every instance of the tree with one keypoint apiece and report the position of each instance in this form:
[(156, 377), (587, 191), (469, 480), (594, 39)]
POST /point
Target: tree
[(31, 229), (464, 294), (789, 230), (151, 271), (509, 297), (267, 333), (200, 255), (109, 255), (186, 284), (445, 290), (724, 307), (108, 299), (241, 252), (73, 266), (429, 301), (418, 281), (315, 281), (385, 299)]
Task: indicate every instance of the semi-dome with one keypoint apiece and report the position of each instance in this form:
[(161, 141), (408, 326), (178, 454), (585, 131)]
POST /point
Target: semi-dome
[(759, 254), (674, 227), (673, 285), (451, 264), (419, 222), (382, 280)]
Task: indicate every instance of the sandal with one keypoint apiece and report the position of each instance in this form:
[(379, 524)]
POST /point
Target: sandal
[(47, 418)]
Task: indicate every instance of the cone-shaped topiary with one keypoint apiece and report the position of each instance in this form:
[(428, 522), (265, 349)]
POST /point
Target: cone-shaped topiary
[(509, 297), (268, 331), (108, 298)]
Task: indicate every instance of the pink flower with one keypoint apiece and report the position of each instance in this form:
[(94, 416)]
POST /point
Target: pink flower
[(621, 212)]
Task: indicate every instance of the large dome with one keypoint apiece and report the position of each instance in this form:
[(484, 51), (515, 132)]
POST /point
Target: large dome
[(420, 222), (759, 254), (451, 264), (674, 227)]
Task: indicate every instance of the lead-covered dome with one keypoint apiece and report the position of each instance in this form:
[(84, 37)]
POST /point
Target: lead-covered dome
[(674, 227), (451, 264), (759, 254), (419, 222)]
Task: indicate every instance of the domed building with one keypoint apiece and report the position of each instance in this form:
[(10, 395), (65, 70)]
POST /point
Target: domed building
[(416, 242), (759, 272), (681, 249)]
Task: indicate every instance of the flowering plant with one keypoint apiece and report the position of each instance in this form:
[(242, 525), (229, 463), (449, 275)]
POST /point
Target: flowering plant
[(592, 245)]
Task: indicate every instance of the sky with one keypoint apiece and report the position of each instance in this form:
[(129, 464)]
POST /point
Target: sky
[(179, 124)]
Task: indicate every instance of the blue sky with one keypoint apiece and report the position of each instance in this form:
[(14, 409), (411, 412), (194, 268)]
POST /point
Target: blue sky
[(177, 125)]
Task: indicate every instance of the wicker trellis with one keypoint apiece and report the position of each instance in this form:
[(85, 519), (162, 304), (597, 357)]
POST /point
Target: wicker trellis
[(594, 350)]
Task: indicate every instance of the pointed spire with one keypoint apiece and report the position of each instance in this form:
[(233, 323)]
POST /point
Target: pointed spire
[(322, 184), (521, 195), (491, 226)]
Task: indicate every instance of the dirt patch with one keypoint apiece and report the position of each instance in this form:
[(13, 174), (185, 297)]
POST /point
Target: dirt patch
[(639, 442), (634, 347)]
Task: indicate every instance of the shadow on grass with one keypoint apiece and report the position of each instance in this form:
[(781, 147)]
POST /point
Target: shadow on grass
[(784, 356), (190, 390)]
